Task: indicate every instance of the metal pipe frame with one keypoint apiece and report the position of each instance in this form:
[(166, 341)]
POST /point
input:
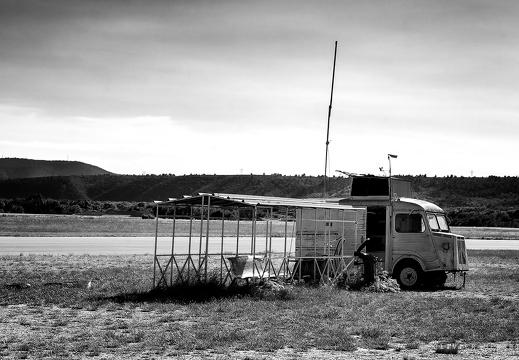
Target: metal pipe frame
[(326, 266)]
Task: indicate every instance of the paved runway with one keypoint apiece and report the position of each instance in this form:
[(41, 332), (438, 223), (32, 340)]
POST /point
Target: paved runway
[(146, 245)]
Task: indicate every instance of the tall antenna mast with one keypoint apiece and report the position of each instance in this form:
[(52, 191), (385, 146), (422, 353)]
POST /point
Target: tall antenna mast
[(328, 127)]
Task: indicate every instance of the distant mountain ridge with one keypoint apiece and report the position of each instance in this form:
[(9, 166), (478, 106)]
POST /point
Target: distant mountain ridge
[(162, 187), (13, 168), (93, 183), (492, 201)]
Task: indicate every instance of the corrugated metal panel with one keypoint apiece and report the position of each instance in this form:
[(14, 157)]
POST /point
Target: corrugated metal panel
[(222, 199), (282, 201), (329, 232), (207, 199)]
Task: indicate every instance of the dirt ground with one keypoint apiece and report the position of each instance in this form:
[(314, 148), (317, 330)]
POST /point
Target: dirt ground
[(70, 332), (34, 326)]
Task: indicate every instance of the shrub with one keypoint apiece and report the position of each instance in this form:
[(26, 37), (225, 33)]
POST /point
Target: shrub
[(354, 280), (271, 290), (451, 349), (383, 283), (16, 208)]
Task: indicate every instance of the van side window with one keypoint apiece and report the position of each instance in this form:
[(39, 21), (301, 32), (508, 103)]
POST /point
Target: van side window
[(409, 223)]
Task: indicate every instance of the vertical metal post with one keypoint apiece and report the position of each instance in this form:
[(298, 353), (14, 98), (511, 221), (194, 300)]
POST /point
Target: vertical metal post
[(357, 225), (207, 235), (201, 236), (266, 242), (390, 195), (189, 260), (389, 156), (254, 226), (266, 236), (270, 250), (285, 258), (238, 233), (155, 251), (343, 237), (328, 243), (253, 230), (221, 244), (329, 116), (315, 242), (299, 261), (173, 244), (329, 230)]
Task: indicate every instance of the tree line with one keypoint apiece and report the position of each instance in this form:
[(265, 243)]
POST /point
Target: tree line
[(37, 204), (483, 217)]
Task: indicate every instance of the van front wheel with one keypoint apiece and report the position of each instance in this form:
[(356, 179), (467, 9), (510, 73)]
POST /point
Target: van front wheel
[(409, 276)]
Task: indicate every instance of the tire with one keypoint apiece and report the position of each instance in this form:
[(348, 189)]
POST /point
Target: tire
[(409, 276)]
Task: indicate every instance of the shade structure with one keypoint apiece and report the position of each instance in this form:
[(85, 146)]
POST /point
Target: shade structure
[(231, 236)]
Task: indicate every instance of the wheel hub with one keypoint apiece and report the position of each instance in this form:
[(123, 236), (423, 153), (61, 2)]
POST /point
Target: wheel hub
[(408, 276)]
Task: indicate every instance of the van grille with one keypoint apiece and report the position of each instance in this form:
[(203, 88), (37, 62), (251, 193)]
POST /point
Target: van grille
[(462, 252)]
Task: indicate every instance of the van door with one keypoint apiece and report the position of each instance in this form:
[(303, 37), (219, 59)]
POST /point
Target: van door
[(411, 238), (376, 231)]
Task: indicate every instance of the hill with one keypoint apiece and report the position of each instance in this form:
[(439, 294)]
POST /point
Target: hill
[(492, 201), (491, 192), (448, 192), (11, 168), (160, 187)]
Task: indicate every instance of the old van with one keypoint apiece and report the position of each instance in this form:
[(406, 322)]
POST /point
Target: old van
[(410, 237)]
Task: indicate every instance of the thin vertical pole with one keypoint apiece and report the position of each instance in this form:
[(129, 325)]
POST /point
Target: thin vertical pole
[(315, 242), (389, 156), (254, 226), (173, 243), (155, 251), (266, 243), (343, 237), (201, 236), (329, 116), (300, 242), (221, 245), (207, 235), (344, 232), (327, 231), (328, 242), (238, 233), (285, 259), (357, 225), (390, 196), (253, 229), (266, 237), (189, 260), (270, 251)]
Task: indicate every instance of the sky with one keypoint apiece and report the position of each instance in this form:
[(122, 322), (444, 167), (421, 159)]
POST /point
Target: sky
[(241, 87)]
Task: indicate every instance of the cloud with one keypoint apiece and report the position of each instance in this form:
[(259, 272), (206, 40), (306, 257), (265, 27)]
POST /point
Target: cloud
[(109, 78)]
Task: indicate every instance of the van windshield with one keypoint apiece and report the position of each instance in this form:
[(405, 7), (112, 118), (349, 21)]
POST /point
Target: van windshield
[(438, 222)]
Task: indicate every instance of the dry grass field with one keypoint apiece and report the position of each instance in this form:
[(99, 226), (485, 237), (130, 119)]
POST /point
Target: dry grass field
[(490, 233), (81, 306), (109, 225), (103, 307)]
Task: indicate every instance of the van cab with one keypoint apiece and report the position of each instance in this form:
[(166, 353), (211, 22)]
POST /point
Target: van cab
[(410, 237)]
